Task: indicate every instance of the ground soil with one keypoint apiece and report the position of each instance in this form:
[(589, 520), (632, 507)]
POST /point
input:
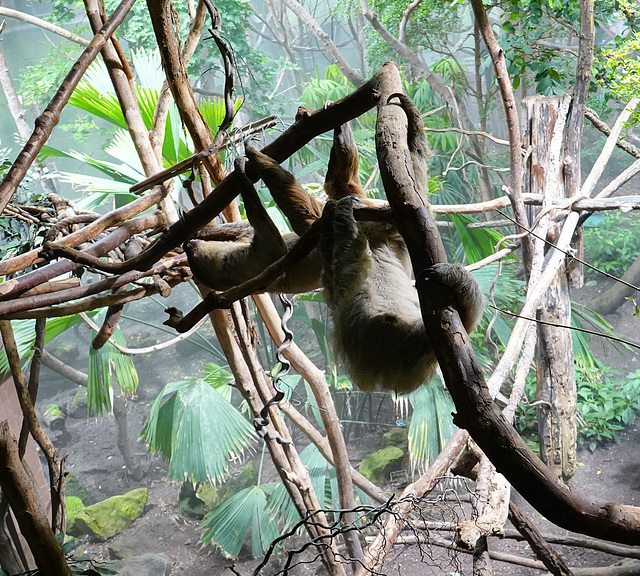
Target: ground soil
[(611, 473)]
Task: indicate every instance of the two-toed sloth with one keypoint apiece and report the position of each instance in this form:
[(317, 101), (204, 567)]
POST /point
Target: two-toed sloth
[(379, 336)]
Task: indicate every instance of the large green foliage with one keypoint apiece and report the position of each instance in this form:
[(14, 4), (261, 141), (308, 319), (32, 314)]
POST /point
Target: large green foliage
[(536, 33), (429, 26), (607, 404), (612, 242), (196, 429), (105, 365)]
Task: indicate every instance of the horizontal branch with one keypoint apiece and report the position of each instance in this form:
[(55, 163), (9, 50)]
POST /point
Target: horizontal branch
[(30, 19), (88, 233), (88, 304), (14, 287), (25, 302)]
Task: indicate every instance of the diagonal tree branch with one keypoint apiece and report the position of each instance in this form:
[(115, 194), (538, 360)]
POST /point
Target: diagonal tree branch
[(48, 120)]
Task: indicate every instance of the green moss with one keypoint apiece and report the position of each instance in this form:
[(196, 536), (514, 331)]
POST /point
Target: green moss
[(112, 516), (73, 505), (213, 496), (53, 410), (377, 466), (398, 437), (74, 487)]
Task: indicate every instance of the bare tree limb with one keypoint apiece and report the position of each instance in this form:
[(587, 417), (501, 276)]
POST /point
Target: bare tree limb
[(29, 19), (46, 122), (549, 557), (328, 44), (513, 126)]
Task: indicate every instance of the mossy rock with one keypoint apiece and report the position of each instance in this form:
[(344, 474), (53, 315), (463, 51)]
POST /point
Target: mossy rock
[(75, 487), (377, 466), (398, 437), (189, 503), (112, 516), (74, 505), (213, 496), (77, 407)]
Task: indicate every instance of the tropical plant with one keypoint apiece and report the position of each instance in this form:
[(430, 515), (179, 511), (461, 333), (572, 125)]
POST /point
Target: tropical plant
[(95, 95), (193, 426), (267, 509), (105, 364), (606, 404), (611, 242)]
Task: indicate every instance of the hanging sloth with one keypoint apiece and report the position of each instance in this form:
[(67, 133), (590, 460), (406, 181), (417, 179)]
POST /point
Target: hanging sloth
[(363, 267)]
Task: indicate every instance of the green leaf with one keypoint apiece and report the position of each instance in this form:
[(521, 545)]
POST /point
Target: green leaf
[(105, 364), (324, 483), (227, 525), (431, 423), (478, 242), (194, 428), (213, 111)]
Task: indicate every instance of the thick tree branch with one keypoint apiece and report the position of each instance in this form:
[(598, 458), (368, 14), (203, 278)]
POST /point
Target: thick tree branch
[(463, 375)]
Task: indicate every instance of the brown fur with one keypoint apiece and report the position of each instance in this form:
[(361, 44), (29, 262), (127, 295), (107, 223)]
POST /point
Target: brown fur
[(221, 265), (379, 336)]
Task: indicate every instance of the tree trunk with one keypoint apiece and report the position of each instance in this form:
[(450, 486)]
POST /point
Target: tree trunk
[(556, 382), (131, 461), (610, 300), (554, 352), (34, 525)]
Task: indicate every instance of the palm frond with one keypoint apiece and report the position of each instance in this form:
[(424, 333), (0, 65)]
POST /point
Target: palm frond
[(431, 423), (280, 504), (220, 379), (194, 428), (213, 112), (105, 364), (227, 525), (148, 67), (478, 242), (583, 317)]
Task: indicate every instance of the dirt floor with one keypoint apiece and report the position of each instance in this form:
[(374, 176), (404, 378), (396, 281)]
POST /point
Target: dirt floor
[(610, 474)]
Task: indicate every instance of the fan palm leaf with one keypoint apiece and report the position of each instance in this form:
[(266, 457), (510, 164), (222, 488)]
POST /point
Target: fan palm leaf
[(194, 428), (228, 524)]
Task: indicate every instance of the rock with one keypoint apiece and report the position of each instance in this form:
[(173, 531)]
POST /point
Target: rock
[(125, 547), (377, 466), (398, 437), (213, 496), (189, 503), (77, 408), (53, 417), (73, 505), (144, 565), (112, 516)]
